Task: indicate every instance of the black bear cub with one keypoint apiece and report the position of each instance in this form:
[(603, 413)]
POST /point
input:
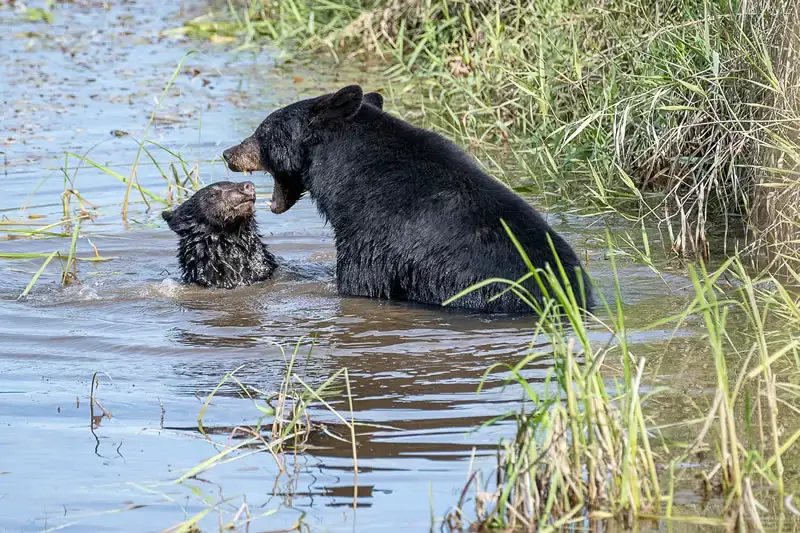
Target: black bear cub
[(219, 242), (414, 216)]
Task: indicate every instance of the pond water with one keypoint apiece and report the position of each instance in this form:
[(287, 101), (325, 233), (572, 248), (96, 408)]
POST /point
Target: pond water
[(160, 348)]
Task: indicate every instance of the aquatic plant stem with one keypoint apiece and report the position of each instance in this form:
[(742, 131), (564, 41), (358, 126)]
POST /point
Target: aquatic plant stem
[(134, 168)]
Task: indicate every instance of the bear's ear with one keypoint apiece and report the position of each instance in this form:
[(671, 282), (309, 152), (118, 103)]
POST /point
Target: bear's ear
[(343, 104), (374, 99)]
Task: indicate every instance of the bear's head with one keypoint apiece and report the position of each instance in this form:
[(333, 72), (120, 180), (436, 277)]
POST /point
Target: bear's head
[(219, 207), (279, 145)]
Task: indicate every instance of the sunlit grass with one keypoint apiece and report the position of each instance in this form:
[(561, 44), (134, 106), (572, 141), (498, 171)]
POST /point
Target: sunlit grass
[(588, 447)]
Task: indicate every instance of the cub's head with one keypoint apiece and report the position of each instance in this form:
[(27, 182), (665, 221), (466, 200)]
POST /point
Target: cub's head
[(279, 145), (219, 245), (220, 207)]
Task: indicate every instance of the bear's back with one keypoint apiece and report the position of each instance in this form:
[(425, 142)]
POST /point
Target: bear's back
[(416, 218)]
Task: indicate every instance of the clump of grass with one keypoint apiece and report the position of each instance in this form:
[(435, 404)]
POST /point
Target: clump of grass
[(284, 424), (284, 428), (69, 260), (589, 449), (37, 14), (584, 448), (686, 111)]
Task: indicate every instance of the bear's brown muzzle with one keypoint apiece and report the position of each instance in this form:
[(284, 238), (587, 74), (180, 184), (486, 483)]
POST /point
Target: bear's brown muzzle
[(244, 157)]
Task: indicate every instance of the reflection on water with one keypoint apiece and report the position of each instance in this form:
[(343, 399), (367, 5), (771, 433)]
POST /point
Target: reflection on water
[(160, 347)]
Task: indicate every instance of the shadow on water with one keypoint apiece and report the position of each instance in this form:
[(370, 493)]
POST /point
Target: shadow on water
[(160, 347)]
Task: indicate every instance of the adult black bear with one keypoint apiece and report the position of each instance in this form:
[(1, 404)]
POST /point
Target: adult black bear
[(414, 217), (219, 242)]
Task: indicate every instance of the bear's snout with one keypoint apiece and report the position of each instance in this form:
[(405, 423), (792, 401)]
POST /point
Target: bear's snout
[(244, 157)]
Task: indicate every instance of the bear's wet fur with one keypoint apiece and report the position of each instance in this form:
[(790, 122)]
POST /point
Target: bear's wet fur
[(414, 216), (219, 242)]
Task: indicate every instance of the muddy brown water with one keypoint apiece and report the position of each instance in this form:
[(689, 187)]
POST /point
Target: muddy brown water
[(160, 347)]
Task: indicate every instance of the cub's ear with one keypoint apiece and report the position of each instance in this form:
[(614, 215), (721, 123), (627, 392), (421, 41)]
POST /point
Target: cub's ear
[(340, 105), (374, 99), (169, 217)]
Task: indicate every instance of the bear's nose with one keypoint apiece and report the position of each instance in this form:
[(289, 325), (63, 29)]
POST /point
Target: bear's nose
[(248, 188), (226, 155)]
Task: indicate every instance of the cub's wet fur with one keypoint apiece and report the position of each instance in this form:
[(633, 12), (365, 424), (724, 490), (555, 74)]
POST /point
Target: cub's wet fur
[(219, 242)]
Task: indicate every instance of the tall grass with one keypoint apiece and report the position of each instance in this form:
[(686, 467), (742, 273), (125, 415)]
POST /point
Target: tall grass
[(583, 448), (685, 110), (586, 447)]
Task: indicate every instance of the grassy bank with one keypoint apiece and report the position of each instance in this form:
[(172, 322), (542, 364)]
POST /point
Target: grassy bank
[(594, 446), (686, 111)]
